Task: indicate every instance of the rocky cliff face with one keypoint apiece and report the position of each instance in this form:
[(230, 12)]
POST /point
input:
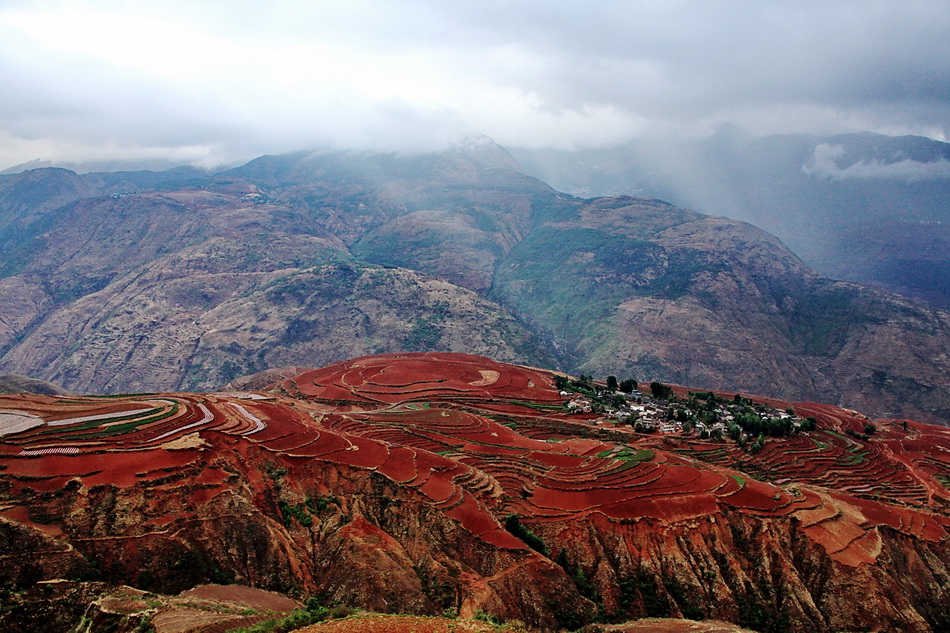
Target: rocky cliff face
[(419, 483)]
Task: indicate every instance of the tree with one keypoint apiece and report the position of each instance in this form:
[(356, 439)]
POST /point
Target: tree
[(514, 526), (757, 445), (661, 391), (612, 383), (628, 385), (734, 431)]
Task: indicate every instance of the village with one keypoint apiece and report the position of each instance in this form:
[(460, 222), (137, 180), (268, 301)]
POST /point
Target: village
[(659, 410)]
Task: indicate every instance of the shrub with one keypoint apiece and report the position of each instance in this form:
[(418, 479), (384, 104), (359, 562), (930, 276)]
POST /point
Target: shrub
[(313, 606), (532, 540), (481, 616)]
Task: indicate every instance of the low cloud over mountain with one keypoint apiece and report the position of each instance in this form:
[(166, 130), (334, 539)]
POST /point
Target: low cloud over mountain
[(210, 84)]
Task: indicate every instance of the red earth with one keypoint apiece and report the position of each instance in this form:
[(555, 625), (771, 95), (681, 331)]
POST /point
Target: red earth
[(479, 440), (419, 420)]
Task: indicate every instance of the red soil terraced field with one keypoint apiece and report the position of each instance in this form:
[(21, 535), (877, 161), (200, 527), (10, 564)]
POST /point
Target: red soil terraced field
[(466, 443), (897, 465), (396, 378)]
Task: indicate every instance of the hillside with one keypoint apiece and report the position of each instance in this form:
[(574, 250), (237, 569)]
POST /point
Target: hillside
[(177, 281), (12, 383), (640, 287), (867, 208), (417, 483)]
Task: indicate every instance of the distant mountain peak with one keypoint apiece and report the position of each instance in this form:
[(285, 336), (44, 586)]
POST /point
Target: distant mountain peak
[(36, 163)]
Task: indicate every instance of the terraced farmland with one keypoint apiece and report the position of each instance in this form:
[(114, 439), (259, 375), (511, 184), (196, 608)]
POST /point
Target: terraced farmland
[(408, 467)]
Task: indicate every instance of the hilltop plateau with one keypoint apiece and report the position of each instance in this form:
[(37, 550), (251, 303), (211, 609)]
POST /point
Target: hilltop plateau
[(184, 280), (437, 482)]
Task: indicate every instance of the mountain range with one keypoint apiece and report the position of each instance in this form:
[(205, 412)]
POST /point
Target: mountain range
[(182, 280), (864, 207)]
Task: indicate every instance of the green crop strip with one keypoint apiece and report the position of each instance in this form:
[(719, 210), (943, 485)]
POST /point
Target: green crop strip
[(120, 429), (134, 422), (537, 406), (628, 454), (854, 459), (92, 424)]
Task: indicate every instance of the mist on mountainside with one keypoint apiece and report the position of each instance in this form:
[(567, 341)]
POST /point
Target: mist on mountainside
[(862, 207)]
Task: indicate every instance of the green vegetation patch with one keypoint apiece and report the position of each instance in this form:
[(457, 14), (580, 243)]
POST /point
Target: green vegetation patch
[(854, 459), (299, 511), (822, 321), (319, 505), (515, 528), (819, 444), (134, 421), (425, 333), (571, 278), (628, 454), (538, 406), (944, 480), (299, 618)]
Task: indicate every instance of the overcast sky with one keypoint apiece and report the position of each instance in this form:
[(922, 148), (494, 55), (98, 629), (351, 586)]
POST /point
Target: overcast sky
[(212, 82)]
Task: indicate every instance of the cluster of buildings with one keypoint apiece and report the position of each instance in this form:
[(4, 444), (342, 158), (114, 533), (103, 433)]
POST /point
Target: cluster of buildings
[(648, 414)]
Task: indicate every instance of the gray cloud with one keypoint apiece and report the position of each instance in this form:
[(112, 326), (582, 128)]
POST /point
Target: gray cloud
[(824, 163), (226, 81)]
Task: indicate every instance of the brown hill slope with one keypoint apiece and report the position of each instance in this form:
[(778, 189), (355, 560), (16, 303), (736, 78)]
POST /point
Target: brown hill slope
[(417, 483), (190, 289), (181, 287), (637, 285), (12, 383)]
